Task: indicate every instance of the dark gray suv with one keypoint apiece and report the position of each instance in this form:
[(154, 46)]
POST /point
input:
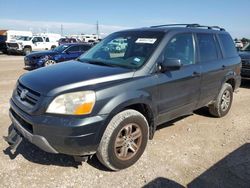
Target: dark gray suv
[(109, 103)]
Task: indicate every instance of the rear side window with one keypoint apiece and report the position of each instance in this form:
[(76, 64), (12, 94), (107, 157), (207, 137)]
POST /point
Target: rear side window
[(84, 48), (74, 49), (228, 45), (207, 47), (47, 39)]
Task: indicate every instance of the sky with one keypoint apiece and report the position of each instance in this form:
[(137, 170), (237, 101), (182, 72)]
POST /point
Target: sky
[(80, 16)]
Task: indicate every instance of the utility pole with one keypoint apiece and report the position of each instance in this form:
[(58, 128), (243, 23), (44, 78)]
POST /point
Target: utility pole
[(97, 29), (62, 29)]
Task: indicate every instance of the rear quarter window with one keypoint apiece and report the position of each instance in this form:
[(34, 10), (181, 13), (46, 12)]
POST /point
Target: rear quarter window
[(228, 46)]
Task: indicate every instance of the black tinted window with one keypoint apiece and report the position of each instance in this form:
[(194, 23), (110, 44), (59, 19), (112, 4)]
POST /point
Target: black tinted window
[(47, 39), (39, 39), (74, 49), (84, 48), (181, 47), (207, 47), (228, 45)]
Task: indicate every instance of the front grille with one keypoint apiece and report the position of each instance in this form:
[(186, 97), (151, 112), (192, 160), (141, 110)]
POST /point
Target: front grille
[(30, 96), (22, 122), (245, 63), (12, 45)]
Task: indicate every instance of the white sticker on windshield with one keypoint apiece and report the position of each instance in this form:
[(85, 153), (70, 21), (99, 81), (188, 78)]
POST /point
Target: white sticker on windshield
[(146, 40)]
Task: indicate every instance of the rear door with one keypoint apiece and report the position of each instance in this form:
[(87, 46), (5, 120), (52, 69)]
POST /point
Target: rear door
[(212, 68), (179, 90)]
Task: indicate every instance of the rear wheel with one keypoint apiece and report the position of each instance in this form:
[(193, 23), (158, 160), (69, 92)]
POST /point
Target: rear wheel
[(223, 102), (49, 62), (124, 140)]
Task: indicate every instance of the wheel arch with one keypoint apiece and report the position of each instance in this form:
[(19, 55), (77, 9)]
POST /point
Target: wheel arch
[(230, 78), (139, 102)]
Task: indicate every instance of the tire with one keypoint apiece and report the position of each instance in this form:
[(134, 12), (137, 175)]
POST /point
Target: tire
[(49, 63), (26, 51), (124, 140), (52, 47), (223, 102)]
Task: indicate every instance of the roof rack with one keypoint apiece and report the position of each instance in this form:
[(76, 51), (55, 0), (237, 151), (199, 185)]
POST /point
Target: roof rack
[(190, 26)]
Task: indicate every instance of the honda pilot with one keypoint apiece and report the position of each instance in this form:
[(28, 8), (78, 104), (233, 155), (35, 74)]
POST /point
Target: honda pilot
[(109, 103)]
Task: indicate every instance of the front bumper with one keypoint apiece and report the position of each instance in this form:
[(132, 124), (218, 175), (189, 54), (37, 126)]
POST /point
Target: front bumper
[(30, 63), (59, 134), (15, 50)]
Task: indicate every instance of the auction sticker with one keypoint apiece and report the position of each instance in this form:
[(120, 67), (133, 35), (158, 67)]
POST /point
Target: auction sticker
[(146, 40)]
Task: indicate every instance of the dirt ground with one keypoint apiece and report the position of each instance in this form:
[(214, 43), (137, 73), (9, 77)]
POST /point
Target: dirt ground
[(194, 151)]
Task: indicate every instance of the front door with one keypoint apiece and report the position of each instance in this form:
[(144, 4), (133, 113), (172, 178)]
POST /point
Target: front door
[(38, 44), (179, 90), (72, 53)]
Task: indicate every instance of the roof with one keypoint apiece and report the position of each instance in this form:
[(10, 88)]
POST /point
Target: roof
[(181, 27)]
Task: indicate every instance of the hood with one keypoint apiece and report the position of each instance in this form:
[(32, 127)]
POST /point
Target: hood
[(42, 53), (51, 80), (244, 54)]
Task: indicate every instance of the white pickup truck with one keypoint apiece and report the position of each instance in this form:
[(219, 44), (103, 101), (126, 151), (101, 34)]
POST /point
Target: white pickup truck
[(25, 45)]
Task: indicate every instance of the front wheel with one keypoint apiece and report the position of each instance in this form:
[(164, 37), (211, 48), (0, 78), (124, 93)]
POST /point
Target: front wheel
[(223, 102), (124, 140), (27, 51)]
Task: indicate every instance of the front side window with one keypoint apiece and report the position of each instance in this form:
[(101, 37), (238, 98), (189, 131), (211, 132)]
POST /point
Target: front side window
[(37, 39), (181, 47), (207, 47), (129, 49), (60, 48)]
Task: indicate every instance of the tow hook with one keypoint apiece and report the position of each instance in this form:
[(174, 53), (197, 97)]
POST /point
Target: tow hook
[(13, 139)]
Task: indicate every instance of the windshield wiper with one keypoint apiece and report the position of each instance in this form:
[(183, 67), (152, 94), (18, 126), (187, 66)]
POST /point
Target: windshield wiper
[(96, 62)]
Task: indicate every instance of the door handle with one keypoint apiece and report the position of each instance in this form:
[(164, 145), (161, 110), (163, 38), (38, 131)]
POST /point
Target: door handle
[(196, 74)]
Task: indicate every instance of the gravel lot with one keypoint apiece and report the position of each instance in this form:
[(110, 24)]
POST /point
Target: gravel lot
[(194, 151)]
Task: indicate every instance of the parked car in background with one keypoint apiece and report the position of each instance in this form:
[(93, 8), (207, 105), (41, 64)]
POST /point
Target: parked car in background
[(26, 45), (245, 59), (61, 53), (111, 104), (67, 40), (117, 45), (10, 36), (238, 44)]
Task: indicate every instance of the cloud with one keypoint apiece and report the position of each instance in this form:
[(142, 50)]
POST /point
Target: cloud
[(55, 27)]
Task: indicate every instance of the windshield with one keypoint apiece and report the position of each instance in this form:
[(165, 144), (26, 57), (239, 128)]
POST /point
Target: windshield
[(61, 48), (124, 49), (246, 48), (24, 38)]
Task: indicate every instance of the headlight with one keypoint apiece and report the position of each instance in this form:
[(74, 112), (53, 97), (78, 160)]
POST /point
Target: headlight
[(77, 103), (45, 58)]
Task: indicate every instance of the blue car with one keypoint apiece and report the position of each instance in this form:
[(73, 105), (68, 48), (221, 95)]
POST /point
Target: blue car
[(61, 53)]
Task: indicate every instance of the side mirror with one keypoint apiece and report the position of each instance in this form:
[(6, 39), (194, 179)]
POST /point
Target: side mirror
[(170, 64)]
